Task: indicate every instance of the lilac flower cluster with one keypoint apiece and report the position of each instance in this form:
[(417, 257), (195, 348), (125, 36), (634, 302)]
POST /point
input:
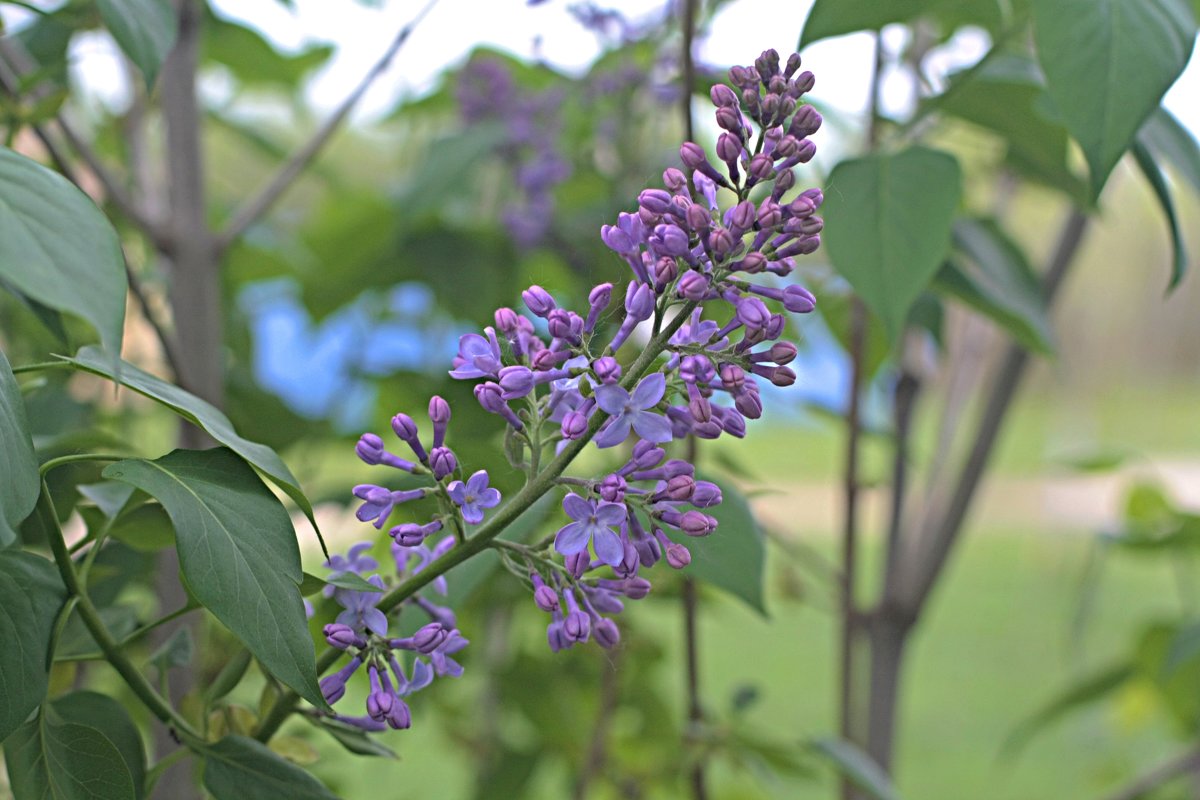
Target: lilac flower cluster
[(487, 92), (706, 253)]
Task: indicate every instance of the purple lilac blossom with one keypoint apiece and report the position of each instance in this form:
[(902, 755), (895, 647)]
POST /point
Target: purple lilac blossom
[(474, 496)]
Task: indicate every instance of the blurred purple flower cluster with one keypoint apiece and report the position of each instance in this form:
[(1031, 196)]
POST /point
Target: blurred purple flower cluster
[(707, 254)]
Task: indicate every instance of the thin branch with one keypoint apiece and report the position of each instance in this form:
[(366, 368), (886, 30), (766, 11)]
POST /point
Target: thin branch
[(598, 746), (1158, 776), (999, 399), (258, 205)]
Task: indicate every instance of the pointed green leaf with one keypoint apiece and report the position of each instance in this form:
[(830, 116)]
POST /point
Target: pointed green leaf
[(144, 29), (237, 552), (998, 281), (355, 740), (106, 715), (1158, 184), (1108, 64), (860, 768), (1173, 144), (1085, 692), (58, 249), (204, 416), (49, 758), (887, 225), (19, 483), (733, 557), (31, 594), (239, 768), (837, 17)]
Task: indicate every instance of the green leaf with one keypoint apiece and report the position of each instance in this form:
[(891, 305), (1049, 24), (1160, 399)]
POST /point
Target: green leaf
[(355, 740), (253, 60), (238, 554), (1085, 692), (998, 282), (31, 594), (1172, 143), (144, 29), (58, 249), (239, 768), (860, 768), (106, 715), (108, 496), (888, 221), (836, 17), (1158, 184), (733, 557), (352, 581), (204, 416), (19, 482), (49, 758), (176, 651), (1108, 64)]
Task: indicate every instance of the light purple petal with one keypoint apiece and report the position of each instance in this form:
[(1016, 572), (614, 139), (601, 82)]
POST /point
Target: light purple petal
[(422, 676), (576, 507), (472, 514), (488, 498), (477, 482), (652, 427), (610, 513), (611, 398), (439, 585), (457, 491), (376, 621), (615, 431), (649, 391), (471, 345), (466, 372), (572, 539), (608, 547)]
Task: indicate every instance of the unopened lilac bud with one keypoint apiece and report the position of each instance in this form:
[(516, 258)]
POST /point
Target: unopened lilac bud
[(678, 556), (516, 381), (605, 631), (408, 534), (785, 179), (607, 369), (615, 239), (767, 64), (770, 107), (775, 326), (639, 302), (706, 495), (506, 321), (546, 598), (538, 301), (630, 562), (742, 217), (733, 423), (770, 214), (693, 156), (399, 718), (491, 398), (805, 122), (752, 313), (729, 148), (722, 96), (598, 300), (741, 77), (783, 376), (783, 353), (793, 64), (698, 219), (612, 489), (806, 151), (675, 180), (749, 403), (672, 240), (709, 429), (636, 588), (665, 270), (369, 448), (680, 488), (565, 325), (693, 286), (405, 428), (429, 637), (733, 377), (804, 82), (730, 119), (574, 425), (761, 167), (343, 636), (676, 467), (694, 523), (442, 462), (700, 408), (439, 415), (788, 146), (656, 201)]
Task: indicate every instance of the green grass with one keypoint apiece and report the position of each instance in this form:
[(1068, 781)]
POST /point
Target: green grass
[(995, 645)]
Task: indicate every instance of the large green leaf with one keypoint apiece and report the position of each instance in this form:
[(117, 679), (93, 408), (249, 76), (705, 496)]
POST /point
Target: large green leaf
[(1158, 184), (998, 282), (1107, 65), (19, 484), (106, 715), (204, 416), (860, 768), (58, 249), (238, 554), (733, 557), (51, 758), (31, 594), (254, 60), (144, 29), (1173, 144), (888, 220), (239, 768), (836, 17)]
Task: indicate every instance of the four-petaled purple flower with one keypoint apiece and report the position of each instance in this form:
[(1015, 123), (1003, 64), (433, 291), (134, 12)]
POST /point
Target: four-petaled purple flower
[(478, 357), (593, 522), (631, 411), (474, 496), (361, 612)]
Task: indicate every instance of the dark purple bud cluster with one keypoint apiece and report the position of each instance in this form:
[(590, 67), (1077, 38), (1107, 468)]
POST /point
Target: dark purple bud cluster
[(361, 630), (531, 121)]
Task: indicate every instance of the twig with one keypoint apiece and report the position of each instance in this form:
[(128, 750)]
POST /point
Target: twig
[(258, 205), (1180, 765), (598, 746), (999, 399)]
